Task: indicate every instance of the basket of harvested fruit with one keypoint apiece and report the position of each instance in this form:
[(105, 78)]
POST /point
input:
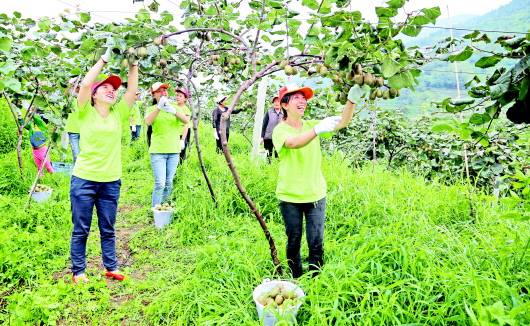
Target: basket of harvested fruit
[(163, 214), (277, 300), (41, 193)]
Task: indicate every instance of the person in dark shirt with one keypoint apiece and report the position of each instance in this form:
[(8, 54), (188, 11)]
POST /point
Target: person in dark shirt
[(216, 121), (270, 120)]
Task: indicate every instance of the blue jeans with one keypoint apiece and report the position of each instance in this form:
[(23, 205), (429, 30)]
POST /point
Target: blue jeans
[(164, 168), (135, 134), (74, 143), (293, 214), (84, 195)]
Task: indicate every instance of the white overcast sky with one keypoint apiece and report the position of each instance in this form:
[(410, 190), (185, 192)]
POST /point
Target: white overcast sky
[(116, 10)]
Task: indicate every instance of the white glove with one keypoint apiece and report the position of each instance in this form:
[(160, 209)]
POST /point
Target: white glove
[(182, 144), (356, 93), (215, 134), (327, 125), (133, 128), (164, 104), (107, 55)]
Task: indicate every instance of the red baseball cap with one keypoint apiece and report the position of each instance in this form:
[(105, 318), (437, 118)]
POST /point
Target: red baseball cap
[(114, 80), (183, 91), (292, 88)]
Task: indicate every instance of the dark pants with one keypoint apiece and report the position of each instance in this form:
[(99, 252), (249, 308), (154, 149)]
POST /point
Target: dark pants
[(135, 134), (218, 142), (267, 144), (84, 195), (186, 142), (293, 214)]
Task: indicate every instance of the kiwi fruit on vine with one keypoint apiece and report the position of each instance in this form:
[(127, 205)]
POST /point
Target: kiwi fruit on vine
[(379, 81), (369, 79), (359, 80), (378, 93), (232, 61), (124, 63), (289, 70), (283, 63), (159, 40), (141, 52), (321, 69), (131, 51), (225, 68), (373, 95), (162, 62), (386, 94), (392, 92), (358, 69)]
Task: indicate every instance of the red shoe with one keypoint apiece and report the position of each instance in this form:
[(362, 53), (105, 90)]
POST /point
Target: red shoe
[(81, 278), (115, 275)]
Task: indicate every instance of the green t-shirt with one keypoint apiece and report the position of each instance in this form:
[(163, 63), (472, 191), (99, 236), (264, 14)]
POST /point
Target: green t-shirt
[(300, 178), (100, 143), (136, 115), (167, 129), (72, 122)]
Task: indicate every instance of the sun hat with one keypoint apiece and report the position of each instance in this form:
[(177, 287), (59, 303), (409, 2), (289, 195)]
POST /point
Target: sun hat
[(156, 86), (293, 88)]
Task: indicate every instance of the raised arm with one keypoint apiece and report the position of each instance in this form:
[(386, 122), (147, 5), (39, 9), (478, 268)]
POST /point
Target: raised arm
[(84, 88), (132, 85)]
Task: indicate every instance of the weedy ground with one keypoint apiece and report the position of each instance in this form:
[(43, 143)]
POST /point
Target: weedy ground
[(398, 250)]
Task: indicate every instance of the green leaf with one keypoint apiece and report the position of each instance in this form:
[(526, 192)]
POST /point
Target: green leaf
[(5, 43), (12, 84), (479, 119), (411, 30), (498, 90), (402, 80), (276, 43), (462, 101), (486, 62), (390, 67), (471, 35), (85, 17), (395, 3), (432, 13), (443, 127), (7, 67), (461, 55), (312, 4), (385, 12), (143, 15)]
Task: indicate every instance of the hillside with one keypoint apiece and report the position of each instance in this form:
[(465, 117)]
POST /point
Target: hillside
[(438, 80)]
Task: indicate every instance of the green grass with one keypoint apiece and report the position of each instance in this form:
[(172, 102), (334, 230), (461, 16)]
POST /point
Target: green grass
[(398, 251)]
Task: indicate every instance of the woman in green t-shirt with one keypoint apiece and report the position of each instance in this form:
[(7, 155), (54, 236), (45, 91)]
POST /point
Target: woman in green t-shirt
[(167, 121), (96, 176), (301, 187), (181, 96)]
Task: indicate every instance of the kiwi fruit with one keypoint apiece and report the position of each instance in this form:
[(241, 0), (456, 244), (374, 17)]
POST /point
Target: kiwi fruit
[(141, 52), (359, 80), (358, 69)]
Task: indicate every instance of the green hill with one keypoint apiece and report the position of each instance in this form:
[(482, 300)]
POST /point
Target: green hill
[(438, 80)]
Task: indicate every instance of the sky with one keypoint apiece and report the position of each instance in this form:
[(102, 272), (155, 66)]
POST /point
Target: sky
[(115, 10)]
